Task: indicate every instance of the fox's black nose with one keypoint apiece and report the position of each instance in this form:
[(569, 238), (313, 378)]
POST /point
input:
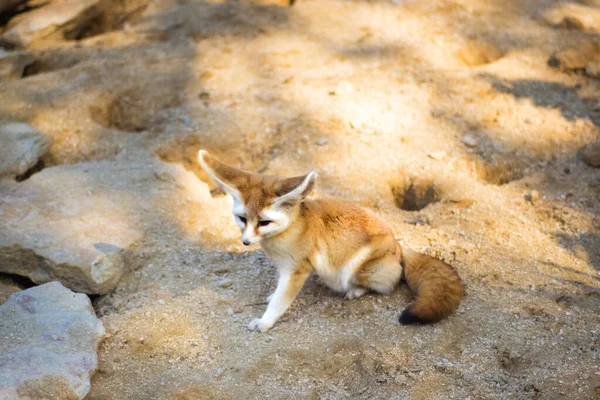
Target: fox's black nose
[(246, 242)]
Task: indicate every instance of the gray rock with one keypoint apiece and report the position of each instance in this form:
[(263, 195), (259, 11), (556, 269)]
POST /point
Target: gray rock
[(13, 63), (322, 141), (73, 223), (49, 338), (21, 147), (469, 140), (226, 283), (59, 19)]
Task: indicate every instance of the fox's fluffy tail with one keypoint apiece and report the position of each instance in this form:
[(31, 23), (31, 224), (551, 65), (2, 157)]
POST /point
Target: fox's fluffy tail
[(436, 284)]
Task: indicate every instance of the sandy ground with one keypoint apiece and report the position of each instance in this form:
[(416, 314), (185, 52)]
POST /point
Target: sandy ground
[(389, 101)]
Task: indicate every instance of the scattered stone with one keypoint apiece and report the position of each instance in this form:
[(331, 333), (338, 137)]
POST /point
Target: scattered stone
[(478, 53), (533, 196), (400, 379), (74, 223), (569, 59), (57, 20), (13, 63), (322, 141), (583, 58), (226, 283), (49, 340), (21, 148), (570, 22), (469, 140), (590, 154), (462, 202), (416, 221)]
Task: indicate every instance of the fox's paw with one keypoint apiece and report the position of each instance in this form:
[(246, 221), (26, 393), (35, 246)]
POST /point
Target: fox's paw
[(355, 293), (259, 325)]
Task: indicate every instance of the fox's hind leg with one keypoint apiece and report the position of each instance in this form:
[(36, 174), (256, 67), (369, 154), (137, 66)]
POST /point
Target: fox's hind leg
[(381, 274)]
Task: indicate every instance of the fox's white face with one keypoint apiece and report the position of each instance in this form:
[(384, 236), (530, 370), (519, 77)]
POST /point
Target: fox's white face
[(258, 224), (262, 204)]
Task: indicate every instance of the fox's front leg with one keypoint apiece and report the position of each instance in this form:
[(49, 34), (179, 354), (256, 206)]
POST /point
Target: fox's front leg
[(288, 287)]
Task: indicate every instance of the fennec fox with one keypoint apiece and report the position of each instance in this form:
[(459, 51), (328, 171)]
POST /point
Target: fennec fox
[(348, 247)]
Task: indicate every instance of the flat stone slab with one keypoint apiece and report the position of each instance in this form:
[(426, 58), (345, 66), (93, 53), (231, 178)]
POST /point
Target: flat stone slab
[(49, 338), (74, 223)]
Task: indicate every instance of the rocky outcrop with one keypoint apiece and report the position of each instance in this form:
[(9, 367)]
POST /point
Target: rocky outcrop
[(21, 148), (49, 337), (73, 223), (76, 223), (59, 19)]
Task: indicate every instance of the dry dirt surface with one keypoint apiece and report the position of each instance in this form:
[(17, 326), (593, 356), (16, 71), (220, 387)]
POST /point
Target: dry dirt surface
[(457, 121)]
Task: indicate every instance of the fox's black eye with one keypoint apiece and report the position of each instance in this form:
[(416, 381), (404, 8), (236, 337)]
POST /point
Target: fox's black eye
[(243, 219), (264, 223)]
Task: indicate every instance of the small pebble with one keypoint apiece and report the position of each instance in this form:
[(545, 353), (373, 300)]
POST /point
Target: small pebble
[(533, 196), (570, 22), (469, 140), (415, 221), (225, 283), (400, 379), (322, 141)]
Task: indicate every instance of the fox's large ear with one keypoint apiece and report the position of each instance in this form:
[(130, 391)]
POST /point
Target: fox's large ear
[(228, 178), (295, 189)]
